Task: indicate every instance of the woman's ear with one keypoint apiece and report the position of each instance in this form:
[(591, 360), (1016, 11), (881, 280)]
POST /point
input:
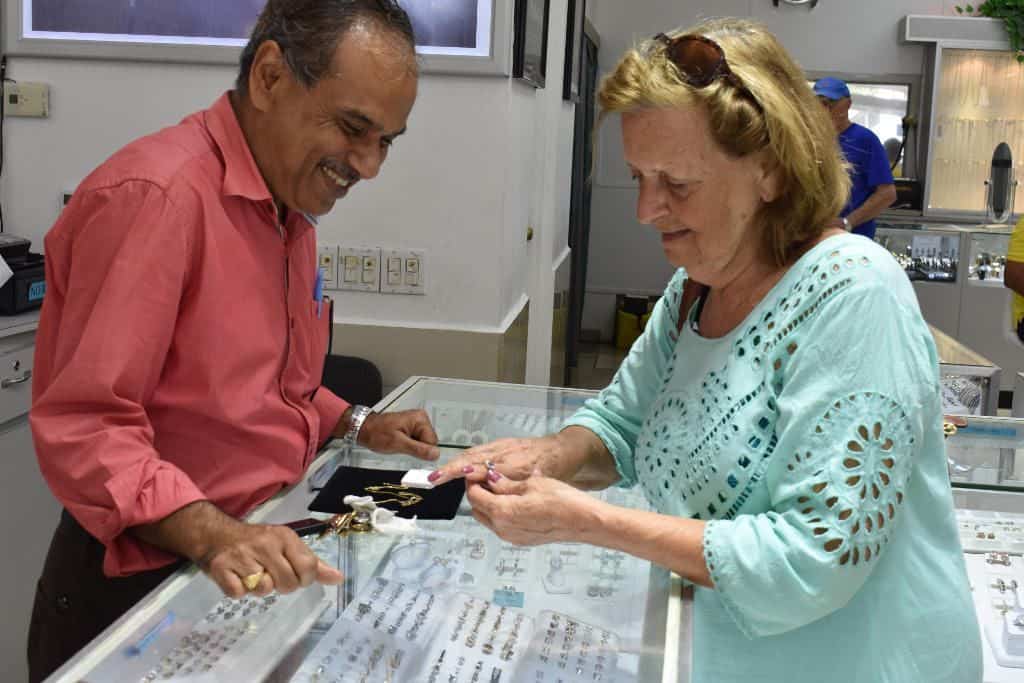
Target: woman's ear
[(769, 177)]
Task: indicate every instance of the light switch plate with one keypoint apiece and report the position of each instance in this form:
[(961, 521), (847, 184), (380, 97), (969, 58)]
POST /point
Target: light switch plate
[(359, 269), (410, 274), (26, 99), (327, 261)]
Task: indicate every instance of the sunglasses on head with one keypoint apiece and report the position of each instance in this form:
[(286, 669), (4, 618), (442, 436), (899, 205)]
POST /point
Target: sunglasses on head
[(701, 61)]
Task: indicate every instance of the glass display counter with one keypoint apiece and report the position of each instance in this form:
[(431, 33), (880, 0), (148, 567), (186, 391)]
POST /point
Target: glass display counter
[(930, 254), (986, 464), (985, 302), (926, 252), (987, 256), (970, 383), (452, 603)]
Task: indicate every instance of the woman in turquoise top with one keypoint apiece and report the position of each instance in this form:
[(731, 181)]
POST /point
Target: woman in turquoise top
[(787, 430)]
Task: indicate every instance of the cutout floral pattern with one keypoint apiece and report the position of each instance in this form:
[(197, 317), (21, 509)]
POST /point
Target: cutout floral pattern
[(852, 476)]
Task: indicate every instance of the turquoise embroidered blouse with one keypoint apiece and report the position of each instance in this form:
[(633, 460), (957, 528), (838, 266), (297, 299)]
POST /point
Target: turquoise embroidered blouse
[(810, 440)]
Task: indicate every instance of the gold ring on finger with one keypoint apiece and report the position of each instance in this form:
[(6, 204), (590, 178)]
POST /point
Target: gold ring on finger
[(252, 581)]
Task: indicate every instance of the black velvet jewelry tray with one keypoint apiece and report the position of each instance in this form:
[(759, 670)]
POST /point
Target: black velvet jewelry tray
[(440, 502)]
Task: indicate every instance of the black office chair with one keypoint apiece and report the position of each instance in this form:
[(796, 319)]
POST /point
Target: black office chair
[(356, 380)]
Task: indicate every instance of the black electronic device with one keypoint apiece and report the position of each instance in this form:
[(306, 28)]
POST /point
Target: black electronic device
[(25, 289), (1001, 185)]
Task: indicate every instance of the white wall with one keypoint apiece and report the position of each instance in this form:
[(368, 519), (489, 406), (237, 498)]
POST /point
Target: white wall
[(442, 189), (839, 35)]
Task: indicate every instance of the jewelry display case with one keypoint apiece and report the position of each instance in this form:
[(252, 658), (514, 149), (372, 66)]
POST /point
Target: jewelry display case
[(452, 602), (988, 492), (985, 303), (970, 382), (930, 254)]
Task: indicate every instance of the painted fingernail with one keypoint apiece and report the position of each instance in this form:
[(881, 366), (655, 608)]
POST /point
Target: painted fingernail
[(493, 475), (434, 476), (468, 469)]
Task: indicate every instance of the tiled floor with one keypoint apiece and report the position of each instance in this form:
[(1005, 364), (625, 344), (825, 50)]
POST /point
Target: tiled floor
[(597, 365)]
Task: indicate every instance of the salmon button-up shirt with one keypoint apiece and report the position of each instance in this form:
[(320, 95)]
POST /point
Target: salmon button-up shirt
[(180, 346)]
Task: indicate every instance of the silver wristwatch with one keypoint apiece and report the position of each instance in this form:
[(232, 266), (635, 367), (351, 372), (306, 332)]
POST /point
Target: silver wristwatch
[(359, 414), (846, 223)]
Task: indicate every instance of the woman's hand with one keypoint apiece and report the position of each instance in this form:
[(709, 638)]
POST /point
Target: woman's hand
[(535, 510), (512, 458)]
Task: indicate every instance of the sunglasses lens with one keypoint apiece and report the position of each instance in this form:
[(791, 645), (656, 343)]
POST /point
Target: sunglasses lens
[(698, 60)]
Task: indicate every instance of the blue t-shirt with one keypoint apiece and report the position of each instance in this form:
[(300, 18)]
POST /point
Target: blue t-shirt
[(870, 168)]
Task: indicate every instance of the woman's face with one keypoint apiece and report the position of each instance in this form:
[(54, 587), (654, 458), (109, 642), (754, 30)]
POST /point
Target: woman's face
[(702, 201)]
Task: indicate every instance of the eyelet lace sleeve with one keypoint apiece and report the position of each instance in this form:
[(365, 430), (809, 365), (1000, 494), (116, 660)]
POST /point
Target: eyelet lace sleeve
[(617, 413), (853, 404)]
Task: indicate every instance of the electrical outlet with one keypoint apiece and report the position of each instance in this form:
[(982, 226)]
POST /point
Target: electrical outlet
[(27, 99), (402, 271), (359, 269), (327, 261)]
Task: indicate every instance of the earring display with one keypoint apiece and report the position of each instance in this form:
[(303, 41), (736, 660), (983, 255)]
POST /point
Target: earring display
[(564, 650), (421, 562), (997, 586), (606, 574), (982, 532)]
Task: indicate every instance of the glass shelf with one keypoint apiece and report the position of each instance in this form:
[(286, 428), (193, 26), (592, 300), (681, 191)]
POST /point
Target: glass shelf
[(926, 254), (983, 454), (987, 257)]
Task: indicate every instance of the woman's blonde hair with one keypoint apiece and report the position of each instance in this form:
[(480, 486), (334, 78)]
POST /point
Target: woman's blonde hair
[(779, 115)]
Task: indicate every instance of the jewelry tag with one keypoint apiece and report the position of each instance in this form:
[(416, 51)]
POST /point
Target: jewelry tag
[(417, 479), (507, 597)]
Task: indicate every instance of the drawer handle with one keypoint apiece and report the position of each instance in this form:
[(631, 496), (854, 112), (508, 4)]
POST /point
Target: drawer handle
[(11, 381)]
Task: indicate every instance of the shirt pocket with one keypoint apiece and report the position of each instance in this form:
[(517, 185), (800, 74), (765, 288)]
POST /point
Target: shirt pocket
[(319, 336)]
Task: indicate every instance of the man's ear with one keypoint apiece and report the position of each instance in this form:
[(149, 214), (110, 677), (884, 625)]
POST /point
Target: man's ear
[(268, 75)]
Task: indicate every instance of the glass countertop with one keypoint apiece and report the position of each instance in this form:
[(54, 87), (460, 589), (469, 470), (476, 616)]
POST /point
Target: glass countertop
[(451, 603)]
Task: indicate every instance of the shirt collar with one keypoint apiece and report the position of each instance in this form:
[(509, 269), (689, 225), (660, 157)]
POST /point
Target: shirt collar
[(242, 176)]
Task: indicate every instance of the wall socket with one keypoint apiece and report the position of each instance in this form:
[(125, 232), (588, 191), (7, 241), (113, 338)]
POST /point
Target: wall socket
[(359, 269), (401, 271), (27, 99), (327, 261)]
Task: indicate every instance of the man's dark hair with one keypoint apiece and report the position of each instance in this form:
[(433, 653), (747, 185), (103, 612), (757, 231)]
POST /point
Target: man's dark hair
[(308, 32)]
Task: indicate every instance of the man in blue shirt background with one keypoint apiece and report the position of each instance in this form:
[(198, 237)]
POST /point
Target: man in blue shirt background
[(873, 189)]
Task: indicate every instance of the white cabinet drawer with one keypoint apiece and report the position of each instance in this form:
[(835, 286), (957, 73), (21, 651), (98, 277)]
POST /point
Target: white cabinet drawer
[(15, 381)]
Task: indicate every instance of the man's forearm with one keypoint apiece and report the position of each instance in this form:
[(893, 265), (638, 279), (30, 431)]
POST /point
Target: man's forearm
[(881, 199), (190, 531)]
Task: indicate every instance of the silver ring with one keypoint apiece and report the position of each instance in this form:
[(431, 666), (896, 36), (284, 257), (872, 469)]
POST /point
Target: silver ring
[(489, 465)]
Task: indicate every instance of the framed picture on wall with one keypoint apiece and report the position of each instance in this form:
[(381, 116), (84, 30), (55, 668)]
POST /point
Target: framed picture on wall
[(573, 50), (452, 36), (529, 61)]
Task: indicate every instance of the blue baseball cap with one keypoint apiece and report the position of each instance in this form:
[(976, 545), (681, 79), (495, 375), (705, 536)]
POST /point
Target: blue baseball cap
[(831, 88)]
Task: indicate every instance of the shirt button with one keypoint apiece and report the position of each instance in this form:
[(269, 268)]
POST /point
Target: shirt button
[(63, 603)]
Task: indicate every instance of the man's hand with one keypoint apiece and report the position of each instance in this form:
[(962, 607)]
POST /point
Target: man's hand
[(408, 431), (228, 550)]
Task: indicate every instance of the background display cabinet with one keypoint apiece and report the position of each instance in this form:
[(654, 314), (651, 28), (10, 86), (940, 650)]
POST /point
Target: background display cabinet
[(986, 466), (930, 255), (453, 602), (985, 323)]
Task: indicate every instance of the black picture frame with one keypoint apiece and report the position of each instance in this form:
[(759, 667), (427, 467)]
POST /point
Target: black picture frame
[(574, 50), (529, 59)]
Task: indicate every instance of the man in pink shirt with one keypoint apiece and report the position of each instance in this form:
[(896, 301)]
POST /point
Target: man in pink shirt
[(182, 342)]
